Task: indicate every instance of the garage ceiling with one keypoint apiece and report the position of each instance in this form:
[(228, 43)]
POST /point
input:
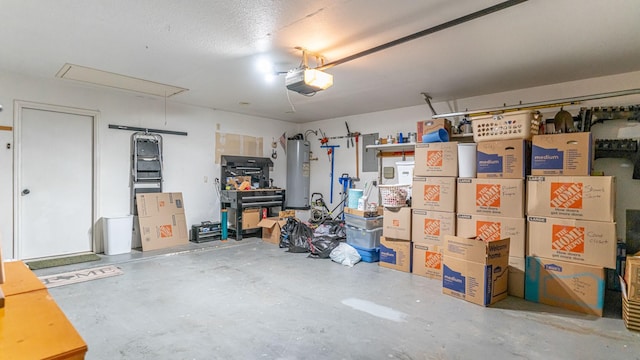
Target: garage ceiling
[(213, 48)]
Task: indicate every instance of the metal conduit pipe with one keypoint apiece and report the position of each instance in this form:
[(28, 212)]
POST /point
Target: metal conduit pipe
[(419, 34)]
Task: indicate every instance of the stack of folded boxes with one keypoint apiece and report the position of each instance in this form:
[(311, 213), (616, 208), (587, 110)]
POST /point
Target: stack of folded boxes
[(630, 287), (571, 228), (491, 206), (433, 205)]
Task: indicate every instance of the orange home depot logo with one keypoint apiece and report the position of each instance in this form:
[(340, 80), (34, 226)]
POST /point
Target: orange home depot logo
[(432, 193), (434, 158), (166, 231), (432, 227), (568, 238), (488, 195), (432, 260), (566, 195), (395, 222), (488, 230)]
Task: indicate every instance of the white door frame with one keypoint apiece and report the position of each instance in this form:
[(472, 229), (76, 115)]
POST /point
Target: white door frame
[(18, 106)]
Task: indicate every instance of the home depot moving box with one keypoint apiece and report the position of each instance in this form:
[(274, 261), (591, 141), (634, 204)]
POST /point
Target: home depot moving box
[(426, 126), (162, 220), (499, 197), (430, 227), (434, 193), (583, 242), (572, 197), (507, 159), (427, 260), (562, 154), (395, 254), (516, 276), (493, 228), (271, 229), (563, 284), (475, 270), (396, 223), (436, 159)]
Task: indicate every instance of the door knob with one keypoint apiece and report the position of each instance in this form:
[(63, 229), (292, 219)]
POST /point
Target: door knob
[(25, 192)]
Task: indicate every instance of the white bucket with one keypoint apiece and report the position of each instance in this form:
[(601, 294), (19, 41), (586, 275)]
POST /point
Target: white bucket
[(467, 160), (117, 234)]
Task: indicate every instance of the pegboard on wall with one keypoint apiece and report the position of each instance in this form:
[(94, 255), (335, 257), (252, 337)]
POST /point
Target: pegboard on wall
[(234, 144)]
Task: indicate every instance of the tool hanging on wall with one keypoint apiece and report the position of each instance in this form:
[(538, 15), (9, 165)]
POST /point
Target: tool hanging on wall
[(350, 136), (324, 142), (274, 146), (331, 153)]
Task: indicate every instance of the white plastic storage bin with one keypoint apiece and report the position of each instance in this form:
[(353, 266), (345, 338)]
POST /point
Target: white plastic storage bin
[(363, 238), (362, 222), (117, 234)]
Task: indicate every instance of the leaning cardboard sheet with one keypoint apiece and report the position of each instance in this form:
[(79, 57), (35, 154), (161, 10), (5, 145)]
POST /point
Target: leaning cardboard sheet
[(162, 220)]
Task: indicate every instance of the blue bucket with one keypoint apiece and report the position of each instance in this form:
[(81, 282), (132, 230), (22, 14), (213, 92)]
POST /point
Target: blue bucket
[(440, 135), (354, 196)]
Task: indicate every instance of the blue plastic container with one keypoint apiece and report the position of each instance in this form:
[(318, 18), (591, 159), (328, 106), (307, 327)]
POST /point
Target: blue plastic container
[(368, 255)]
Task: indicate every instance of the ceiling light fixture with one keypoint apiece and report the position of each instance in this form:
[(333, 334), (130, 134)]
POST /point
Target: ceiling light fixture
[(308, 81)]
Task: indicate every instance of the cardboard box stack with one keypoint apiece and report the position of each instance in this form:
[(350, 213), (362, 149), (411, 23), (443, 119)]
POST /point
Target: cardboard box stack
[(475, 270), (433, 205), (571, 228), (491, 206), (395, 243)]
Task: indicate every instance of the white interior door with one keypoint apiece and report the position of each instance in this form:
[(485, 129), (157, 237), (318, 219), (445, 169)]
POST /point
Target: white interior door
[(55, 183)]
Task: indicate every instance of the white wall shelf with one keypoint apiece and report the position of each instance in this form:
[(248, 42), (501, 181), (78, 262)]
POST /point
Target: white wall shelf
[(393, 147)]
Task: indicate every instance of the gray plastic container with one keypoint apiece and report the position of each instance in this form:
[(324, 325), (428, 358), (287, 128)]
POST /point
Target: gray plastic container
[(367, 223), (362, 238)]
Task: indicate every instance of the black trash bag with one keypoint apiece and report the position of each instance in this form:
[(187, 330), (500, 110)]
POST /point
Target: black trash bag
[(339, 230), (296, 236), (336, 228), (285, 232), (321, 246)]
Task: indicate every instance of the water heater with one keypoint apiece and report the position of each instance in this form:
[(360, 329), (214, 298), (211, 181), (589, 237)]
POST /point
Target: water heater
[(298, 180)]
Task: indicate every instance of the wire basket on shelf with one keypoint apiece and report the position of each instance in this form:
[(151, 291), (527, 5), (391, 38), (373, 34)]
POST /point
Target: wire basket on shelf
[(393, 195)]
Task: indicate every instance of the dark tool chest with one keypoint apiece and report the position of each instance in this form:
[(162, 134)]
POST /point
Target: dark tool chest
[(206, 231)]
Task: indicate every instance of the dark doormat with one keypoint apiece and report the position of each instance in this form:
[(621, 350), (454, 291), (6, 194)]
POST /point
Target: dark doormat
[(67, 260)]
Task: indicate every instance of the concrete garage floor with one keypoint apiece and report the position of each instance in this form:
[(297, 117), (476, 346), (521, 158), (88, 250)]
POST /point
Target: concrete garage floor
[(252, 300)]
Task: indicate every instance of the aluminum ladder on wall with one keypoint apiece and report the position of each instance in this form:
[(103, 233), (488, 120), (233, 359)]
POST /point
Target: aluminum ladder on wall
[(146, 165)]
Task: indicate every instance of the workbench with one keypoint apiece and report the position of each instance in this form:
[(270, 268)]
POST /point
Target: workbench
[(237, 202), (32, 326)]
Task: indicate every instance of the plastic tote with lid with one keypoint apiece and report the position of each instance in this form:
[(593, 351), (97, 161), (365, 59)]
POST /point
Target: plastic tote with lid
[(117, 234)]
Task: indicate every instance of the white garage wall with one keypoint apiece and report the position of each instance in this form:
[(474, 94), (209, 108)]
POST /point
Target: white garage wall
[(405, 119), (188, 160)]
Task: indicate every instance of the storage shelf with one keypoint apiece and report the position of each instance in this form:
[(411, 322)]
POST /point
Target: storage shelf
[(393, 147)]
